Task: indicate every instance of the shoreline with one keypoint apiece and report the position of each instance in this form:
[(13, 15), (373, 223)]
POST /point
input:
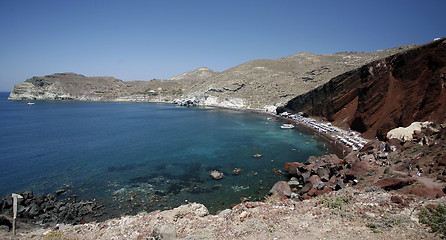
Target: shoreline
[(341, 149), (368, 209), (302, 127)]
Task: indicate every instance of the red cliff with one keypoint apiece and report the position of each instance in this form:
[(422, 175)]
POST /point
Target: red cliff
[(385, 94)]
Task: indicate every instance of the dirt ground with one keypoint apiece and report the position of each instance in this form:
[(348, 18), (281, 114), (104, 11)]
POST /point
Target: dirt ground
[(346, 214)]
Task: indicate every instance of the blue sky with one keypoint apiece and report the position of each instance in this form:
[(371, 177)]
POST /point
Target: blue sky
[(142, 40)]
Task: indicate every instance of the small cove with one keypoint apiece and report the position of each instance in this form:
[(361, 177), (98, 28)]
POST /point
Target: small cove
[(135, 157)]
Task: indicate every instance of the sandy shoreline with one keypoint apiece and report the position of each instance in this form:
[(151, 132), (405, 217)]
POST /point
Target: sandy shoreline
[(341, 149)]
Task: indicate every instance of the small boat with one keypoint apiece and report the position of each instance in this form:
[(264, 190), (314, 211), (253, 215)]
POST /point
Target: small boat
[(287, 126), (30, 103)]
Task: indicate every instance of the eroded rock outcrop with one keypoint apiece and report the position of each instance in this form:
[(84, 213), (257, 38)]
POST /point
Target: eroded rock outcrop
[(385, 94)]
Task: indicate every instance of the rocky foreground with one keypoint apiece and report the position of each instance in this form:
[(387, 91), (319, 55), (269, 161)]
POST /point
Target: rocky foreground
[(375, 193), (348, 214)]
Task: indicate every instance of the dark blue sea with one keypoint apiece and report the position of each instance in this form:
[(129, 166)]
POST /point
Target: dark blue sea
[(144, 156)]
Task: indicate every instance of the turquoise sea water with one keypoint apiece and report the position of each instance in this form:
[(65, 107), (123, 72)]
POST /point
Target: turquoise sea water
[(143, 156)]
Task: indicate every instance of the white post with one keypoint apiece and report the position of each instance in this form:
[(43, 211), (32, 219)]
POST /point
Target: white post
[(14, 210)]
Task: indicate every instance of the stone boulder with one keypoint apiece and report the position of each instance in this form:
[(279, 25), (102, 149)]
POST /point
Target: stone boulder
[(314, 193), (394, 144), (294, 182), (427, 192), (316, 182), (190, 210), (351, 158), (280, 189), (396, 199), (311, 160), (323, 173), (358, 169), (405, 134), (47, 210), (165, 232), (292, 168), (5, 221), (394, 183)]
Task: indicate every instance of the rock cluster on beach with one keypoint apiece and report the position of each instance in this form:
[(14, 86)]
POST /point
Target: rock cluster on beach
[(401, 162), (48, 210), (321, 175)]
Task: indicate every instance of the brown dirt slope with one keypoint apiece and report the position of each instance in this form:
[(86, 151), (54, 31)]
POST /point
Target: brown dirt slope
[(385, 94)]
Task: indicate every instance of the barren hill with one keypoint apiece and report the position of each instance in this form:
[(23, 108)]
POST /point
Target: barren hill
[(259, 84), (265, 84)]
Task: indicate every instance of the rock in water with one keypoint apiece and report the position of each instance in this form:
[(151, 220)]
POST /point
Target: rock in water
[(237, 171), (257, 155), (216, 175)]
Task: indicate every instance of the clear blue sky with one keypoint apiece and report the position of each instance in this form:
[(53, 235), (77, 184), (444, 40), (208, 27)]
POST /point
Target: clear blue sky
[(142, 40)]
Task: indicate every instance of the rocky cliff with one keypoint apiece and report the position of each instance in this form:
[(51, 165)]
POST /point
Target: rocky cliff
[(384, 94), (267, 83), (71, 86), (259, 84)]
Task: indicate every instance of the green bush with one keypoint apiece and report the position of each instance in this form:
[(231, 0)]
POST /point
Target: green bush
[(373, 227), (55, 236), (339, 202), (435, 218)]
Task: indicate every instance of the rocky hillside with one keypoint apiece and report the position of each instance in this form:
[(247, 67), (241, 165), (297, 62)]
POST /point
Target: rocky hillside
[(384, 94), (265, 84), (71, 86), (259, 84)]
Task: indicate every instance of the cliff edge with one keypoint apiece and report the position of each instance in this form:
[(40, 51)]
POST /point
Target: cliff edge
[(384, 94)]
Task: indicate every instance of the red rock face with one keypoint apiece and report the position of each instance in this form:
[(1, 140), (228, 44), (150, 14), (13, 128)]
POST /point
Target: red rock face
[(394, 183), (385, 94)]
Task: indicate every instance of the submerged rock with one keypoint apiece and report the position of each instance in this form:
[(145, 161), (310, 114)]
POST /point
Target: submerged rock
[(237, 171), (216, 175)]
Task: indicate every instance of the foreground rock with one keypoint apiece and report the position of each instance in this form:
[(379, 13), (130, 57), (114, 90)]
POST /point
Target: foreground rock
[(281, 189), (364, 215), (49, 211), (321, 175)]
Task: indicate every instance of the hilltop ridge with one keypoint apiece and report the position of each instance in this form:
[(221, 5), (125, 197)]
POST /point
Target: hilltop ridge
[(259, 84)]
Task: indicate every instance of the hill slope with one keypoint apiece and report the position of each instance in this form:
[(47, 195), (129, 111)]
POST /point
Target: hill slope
[(259, 84), (382, 95)]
